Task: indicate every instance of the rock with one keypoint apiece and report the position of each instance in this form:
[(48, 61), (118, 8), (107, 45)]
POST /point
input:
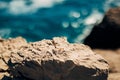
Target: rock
[(49, 60), (113, 58), (11, 44), (6, 46), (106, 34), (57, 60), (114, 76)]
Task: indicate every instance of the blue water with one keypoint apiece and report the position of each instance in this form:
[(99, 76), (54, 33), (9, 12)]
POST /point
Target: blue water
[(46, 19)]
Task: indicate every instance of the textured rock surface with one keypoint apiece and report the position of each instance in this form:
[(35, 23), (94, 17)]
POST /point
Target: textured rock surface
[(106, 32), (53, 60), (6, 46), (11, 44), (113, 58)]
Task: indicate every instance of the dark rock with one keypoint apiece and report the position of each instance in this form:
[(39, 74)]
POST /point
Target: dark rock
[(106, 35)]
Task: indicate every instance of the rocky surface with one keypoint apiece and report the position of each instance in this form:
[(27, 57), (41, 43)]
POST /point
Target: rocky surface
[(54, 59), (104, 39), (113, 58), (6, 46), (106, 34)]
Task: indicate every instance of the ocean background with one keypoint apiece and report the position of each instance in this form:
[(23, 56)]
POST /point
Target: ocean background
[(44, 19)]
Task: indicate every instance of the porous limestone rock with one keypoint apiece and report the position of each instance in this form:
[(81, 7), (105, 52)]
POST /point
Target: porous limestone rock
[(57, 59), (112, 57), (6, 46)]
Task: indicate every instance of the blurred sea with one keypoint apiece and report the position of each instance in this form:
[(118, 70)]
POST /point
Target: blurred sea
[(39, 19)]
